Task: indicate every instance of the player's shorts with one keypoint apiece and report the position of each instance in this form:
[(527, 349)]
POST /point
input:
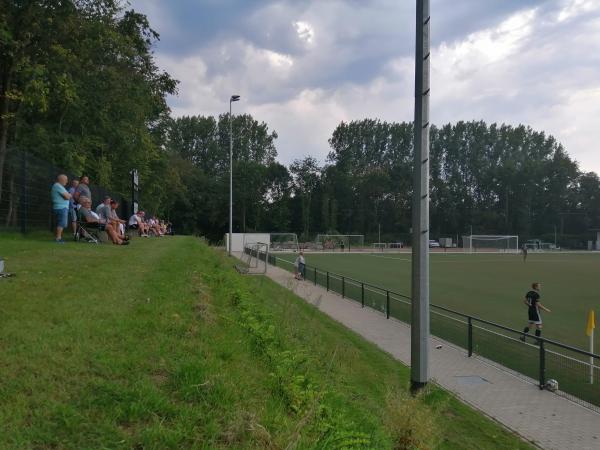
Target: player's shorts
[(535, 317)]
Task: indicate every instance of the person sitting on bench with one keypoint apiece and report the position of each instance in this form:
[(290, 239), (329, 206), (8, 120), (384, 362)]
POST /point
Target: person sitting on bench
[(136, 222), (87, 217)]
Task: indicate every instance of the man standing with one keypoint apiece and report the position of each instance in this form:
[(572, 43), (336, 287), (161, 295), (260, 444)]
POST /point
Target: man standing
[(300, 264), (73, 206), (60, 206), (83, 190), (524, 250), (532, 300)]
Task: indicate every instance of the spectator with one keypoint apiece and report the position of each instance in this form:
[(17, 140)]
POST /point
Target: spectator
[(136, 222), (73, 206), (153, 226), (105, 204), (112, 215), (83, 190), (91, 220), (60, 206)]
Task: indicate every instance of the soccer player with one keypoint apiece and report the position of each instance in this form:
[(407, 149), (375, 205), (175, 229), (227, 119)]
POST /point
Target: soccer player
[(532, 300), (524, 250)]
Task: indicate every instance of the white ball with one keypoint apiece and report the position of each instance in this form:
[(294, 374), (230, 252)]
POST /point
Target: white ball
[(552, 385)]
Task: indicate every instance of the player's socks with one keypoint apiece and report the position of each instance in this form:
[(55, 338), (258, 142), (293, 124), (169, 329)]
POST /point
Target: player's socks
[(525, 331), (538, 333)]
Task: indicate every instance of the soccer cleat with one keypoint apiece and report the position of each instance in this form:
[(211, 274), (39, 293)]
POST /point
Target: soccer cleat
[(522, 338)]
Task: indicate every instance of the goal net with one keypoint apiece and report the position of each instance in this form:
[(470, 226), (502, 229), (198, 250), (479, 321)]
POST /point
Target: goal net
[(254, 259), (284, 242), (381, 246), (490, 243), (340, 241)]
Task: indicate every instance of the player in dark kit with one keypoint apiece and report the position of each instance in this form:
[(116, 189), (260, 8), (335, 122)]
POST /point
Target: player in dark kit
[(524, 251), (532, 300)]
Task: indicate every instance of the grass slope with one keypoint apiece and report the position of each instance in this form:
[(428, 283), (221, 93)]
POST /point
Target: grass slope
[(162, 345)]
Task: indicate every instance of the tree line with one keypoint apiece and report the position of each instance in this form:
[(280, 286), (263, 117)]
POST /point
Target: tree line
[(80, 88), (488, 179)]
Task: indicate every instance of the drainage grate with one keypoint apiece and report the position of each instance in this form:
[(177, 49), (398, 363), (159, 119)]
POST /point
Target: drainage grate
[(471, 380)]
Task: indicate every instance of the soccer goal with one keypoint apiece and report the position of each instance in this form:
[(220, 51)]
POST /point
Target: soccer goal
[(381, 246), (284, 242), (342, 242), (254, 259), (490, 243)]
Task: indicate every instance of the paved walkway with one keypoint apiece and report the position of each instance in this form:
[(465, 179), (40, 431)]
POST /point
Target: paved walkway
[(547, 420)]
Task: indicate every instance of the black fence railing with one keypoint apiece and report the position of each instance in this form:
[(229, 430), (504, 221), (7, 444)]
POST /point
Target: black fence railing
[(538, 359), (25, 203)]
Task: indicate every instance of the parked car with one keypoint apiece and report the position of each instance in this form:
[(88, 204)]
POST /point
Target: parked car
[(433, 243)]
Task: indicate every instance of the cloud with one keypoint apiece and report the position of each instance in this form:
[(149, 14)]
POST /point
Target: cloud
[(304, 66)]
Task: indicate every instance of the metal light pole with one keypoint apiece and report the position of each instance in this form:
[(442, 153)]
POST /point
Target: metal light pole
[(419, 345), (233, 98)]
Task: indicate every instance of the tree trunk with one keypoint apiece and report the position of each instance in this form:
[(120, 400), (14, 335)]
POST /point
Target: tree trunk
[(11, 201), (5, 81)]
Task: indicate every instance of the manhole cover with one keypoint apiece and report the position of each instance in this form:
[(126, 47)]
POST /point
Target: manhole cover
[(471, 380)]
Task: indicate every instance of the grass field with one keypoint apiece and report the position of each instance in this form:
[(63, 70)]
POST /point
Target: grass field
[(163, 345), (490, 286)]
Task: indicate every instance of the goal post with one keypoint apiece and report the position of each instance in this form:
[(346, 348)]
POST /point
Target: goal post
[(491, 243), (254, 259), (381, 246), (340, 241), (284, 242)]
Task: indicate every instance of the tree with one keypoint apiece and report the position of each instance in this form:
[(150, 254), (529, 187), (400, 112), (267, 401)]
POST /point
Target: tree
[(306, 175)]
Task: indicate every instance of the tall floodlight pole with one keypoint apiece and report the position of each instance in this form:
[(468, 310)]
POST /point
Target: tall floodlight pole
[(419, 345), (233, 98)]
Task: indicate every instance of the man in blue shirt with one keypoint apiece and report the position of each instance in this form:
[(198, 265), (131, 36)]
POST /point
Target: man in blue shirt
[(60, 206)]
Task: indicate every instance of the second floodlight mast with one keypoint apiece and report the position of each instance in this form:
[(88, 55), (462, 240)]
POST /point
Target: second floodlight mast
[(419, 343), (233, 98)]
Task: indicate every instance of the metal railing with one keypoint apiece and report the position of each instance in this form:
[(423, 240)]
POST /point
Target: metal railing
[(538, 359)]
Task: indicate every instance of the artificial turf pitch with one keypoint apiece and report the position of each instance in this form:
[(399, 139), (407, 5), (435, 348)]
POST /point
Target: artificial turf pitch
[(488, 285)]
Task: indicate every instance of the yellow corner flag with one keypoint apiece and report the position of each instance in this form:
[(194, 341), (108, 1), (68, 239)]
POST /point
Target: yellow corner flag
[(591, 323)]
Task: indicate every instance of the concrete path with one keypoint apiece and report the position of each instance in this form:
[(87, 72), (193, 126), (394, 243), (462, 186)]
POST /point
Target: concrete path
[(543, 418)]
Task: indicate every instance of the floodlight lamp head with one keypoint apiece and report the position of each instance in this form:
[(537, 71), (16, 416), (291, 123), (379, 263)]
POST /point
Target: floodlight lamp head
[(234, 98)]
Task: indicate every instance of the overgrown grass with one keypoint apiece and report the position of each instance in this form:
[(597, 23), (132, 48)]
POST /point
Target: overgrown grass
[(162, 345)]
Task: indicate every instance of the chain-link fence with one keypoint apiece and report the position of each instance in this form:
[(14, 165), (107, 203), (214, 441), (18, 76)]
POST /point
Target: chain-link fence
[(538, 360), (25, 203)]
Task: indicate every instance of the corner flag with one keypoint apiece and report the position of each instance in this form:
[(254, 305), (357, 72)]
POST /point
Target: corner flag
[(591, 323)]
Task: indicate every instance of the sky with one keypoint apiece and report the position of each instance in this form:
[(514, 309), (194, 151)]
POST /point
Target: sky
[(303, 66)]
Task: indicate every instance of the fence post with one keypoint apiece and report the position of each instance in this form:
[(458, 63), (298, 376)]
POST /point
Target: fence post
[(387, 304), (315, 276), (343, 288), (542, 365), (362, 294), (327, 281), (470, 337), (23, 194)]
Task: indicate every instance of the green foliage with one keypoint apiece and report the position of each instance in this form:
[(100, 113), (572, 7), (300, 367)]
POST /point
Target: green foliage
[(198, 149), (289, 377), (411, 425), (81, 90)]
